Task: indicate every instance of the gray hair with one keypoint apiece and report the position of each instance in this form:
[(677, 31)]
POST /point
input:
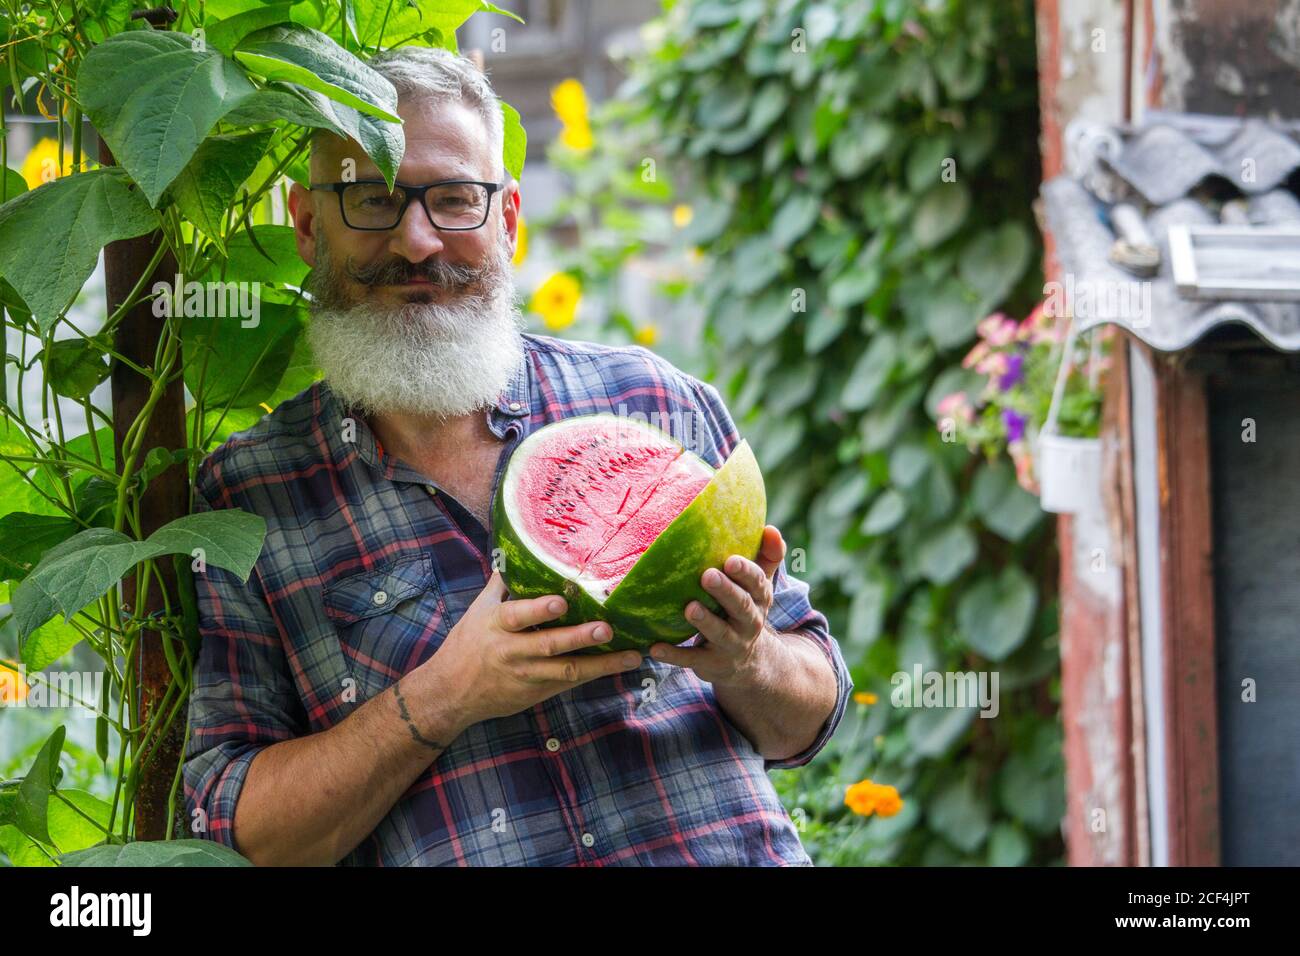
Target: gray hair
[(424, 73)]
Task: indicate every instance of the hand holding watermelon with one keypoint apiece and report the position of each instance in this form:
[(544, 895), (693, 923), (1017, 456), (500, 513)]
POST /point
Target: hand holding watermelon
[(732, 645), (495, 664)]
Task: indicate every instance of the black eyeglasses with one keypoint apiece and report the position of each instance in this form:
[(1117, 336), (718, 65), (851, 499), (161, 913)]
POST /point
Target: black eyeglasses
[(454, 205)]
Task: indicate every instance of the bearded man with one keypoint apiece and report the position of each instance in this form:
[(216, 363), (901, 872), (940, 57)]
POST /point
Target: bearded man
[(372, 695)]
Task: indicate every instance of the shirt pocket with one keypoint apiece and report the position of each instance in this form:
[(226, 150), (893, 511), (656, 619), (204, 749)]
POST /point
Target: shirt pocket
[(388, 620)]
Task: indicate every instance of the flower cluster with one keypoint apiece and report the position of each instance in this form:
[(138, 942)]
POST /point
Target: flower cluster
[(1019, 362), (569, 100), (865, 798)]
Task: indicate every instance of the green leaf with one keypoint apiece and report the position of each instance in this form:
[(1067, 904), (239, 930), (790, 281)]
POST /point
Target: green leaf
[(157, 853), (14, 185), (1008, 846), (885, 513), (933, 730), (946, 553), (279, 102), (293, 53), (281, 263), (75, 367), (998, 500), (70, 220), (994, 615), (960, 814), (1035, 798), (153, 97), (823, 328), (84, 567), (226, 34), (795, 217), (516, 141), (51, 641), (993, 261), (25, 537), (208, 185), (853, 150), (925, 161), (227, 363), (34, 793), (870, 372), (940, 213)]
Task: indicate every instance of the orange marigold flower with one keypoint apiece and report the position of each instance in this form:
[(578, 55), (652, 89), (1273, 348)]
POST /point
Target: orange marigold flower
[(865, 798)]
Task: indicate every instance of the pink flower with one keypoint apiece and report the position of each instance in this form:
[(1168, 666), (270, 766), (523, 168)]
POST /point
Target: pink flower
[(956, 406), (994, 365), (1024, 466), (980, 350), (998, 330)]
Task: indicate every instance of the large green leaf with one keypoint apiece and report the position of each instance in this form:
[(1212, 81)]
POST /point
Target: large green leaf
[(940, 213), (1000, 502), (227, 363), (25, 537), (945, 553), (157, 853), (515, 147), (34, 793), (69, 220), (993, 261), (81, 569), (269, 256), (994, 615), (226, 34), (154, 96), (207, 186), (75, 367), (292, 53), (961, 815)]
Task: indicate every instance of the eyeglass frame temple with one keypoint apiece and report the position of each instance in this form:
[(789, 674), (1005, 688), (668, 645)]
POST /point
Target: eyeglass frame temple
[(412, 192)]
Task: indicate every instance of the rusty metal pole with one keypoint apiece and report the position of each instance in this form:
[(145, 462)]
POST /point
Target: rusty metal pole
[(167, 498)]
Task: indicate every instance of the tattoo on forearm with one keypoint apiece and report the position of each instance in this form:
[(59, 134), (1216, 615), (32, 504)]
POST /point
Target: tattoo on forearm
[(410, 724)]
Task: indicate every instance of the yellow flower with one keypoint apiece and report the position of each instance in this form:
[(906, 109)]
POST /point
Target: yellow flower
[(865, 798), (12, 686), (577, 136), (682, 216), (865, 697), (521, 243), (42, 163), (556, 300), (647, 335), (569, 100)]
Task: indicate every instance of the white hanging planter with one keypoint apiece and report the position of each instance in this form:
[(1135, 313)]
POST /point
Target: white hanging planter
[(1069, 472)]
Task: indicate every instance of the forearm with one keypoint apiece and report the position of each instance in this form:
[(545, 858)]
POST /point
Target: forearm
[(783, 702), (312, 800)]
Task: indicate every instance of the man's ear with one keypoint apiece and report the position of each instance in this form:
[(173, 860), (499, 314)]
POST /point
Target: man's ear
[(305, 225), (510, 204)]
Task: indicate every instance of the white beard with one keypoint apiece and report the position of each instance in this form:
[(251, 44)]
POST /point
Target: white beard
[(440, 359)]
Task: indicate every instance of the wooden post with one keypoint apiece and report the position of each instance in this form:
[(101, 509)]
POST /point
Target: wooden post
[(166, 499)]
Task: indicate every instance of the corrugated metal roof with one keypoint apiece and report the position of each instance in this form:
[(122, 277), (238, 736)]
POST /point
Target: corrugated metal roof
[(1175, 170)]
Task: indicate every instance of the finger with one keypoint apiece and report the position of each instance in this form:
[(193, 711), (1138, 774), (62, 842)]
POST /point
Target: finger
[(554, 641), (752, 578), (495, 590), (712, 627), (564, 672), (771, 552), (677, 655), (523, 614), (735, 600)]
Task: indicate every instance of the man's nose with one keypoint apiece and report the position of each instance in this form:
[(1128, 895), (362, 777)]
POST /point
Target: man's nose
[(414, 238)]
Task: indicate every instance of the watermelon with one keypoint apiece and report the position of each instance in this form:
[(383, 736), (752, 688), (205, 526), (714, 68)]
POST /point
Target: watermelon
[(621, 520)]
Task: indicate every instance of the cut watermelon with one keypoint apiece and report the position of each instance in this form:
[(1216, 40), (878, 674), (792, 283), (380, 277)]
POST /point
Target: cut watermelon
[(620, 519)]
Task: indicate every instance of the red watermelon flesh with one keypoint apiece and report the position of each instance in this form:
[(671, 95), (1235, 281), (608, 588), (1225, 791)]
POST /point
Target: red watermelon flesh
[(602, 496)]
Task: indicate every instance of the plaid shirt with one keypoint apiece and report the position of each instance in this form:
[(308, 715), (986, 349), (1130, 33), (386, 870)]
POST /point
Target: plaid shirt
[(616, 771)]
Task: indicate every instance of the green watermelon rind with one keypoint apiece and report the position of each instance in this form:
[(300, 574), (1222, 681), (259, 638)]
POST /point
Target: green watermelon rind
[(727, 517)]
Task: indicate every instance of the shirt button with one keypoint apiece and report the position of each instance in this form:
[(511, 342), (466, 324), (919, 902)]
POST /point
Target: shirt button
[(431, 489), (588, 839), (381, 597), (552, 745), (515, 406)]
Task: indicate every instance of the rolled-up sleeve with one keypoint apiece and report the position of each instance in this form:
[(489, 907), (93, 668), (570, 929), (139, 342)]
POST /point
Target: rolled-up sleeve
[(243, 698), (791, 610)]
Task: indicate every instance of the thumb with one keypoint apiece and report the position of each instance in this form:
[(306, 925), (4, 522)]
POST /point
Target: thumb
[(495, 591), (771, 551)]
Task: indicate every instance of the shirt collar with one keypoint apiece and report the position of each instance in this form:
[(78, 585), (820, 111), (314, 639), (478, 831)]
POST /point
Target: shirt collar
[(350, 428)]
